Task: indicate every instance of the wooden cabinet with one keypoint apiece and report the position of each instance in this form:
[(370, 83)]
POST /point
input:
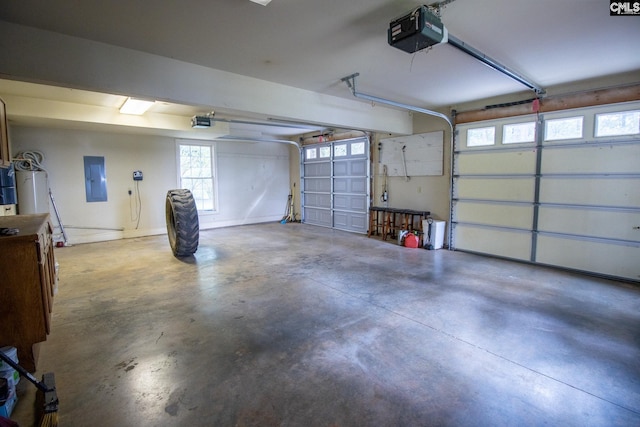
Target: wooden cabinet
[(5, 158), (27, 283)]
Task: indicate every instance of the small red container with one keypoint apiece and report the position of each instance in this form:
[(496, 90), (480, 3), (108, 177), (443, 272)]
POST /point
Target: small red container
[(411, 241)]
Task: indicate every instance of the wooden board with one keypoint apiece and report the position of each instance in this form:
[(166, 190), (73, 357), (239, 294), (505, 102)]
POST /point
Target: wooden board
[(423, 154)]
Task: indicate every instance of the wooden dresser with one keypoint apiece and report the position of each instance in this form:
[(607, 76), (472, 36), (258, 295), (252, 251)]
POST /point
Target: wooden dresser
[(27, 283)]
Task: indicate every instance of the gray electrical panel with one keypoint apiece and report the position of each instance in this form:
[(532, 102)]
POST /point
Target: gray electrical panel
[(95, 179)]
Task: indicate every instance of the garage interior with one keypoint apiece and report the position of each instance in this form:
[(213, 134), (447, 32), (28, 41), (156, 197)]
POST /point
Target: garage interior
[(513, 124)]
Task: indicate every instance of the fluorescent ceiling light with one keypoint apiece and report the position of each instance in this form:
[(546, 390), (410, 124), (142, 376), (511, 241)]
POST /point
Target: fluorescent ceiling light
[(135, 106), (262, 2)]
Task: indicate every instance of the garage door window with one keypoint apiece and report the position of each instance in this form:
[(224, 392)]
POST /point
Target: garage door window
[(311, 153), (325, 152), (340, 150), (481, 136), (357, 148), (618, 124), (519, 133), (565, 128)]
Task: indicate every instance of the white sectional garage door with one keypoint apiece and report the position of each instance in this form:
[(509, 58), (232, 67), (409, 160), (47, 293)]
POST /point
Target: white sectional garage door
[(559, 189), (336, 184)]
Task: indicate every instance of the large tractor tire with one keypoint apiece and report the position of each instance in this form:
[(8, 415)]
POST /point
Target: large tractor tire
[(182, 222)]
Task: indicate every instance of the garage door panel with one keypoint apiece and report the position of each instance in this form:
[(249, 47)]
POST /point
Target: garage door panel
[(580, 254), (501, 163), (336, 185), (350, 185), (509, 244), (350, 203), (597, 191), (358, 167), (514, 216), (317, 169), (350, 168), (317, 185), (570, 193), (590, 222), (317, 200), (358, 185), (621, 158), (341, 169), (317, 216), (359, 222), (502, 189), (350, 221)]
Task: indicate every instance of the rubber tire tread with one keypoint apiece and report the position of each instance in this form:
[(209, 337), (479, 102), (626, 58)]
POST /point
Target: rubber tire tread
[(183, 227)]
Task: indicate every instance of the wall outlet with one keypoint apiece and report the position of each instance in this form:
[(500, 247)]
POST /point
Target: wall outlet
[(137, 175)]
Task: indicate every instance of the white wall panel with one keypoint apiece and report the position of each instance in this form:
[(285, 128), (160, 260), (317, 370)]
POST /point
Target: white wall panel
[(497, 162), (514, 216), (597, 191), (591, 222), (501, 189), (592, 159), (604, 258), (510, 244)]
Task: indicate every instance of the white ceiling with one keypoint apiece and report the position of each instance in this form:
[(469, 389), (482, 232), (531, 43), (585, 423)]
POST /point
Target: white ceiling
[(312, 44)]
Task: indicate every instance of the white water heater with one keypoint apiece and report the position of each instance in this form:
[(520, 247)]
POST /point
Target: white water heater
[(33, 192)]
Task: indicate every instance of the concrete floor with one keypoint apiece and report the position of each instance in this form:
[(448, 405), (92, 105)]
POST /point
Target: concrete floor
[(294, 325)]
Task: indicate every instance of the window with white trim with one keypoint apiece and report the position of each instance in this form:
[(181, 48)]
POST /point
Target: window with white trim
[(517, 133), (617, 124), (325, 152), (340, 150), (565, 128), (197, 173), (311, 153), (479, 137)]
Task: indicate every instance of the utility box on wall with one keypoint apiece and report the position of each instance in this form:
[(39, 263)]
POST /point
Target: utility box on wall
[(7, 186), (95, 179)]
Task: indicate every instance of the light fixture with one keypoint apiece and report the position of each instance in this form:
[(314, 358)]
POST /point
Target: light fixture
[(262, 2), (135, 106)]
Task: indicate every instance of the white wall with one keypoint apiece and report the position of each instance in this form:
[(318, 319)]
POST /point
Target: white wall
[(253, 183), (420, 192), (253, 180)]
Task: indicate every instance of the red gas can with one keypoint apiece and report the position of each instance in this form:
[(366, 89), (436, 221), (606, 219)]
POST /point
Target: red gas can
[(411, 241)]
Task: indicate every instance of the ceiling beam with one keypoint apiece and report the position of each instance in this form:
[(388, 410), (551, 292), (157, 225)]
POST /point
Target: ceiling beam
[(554, 103)]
